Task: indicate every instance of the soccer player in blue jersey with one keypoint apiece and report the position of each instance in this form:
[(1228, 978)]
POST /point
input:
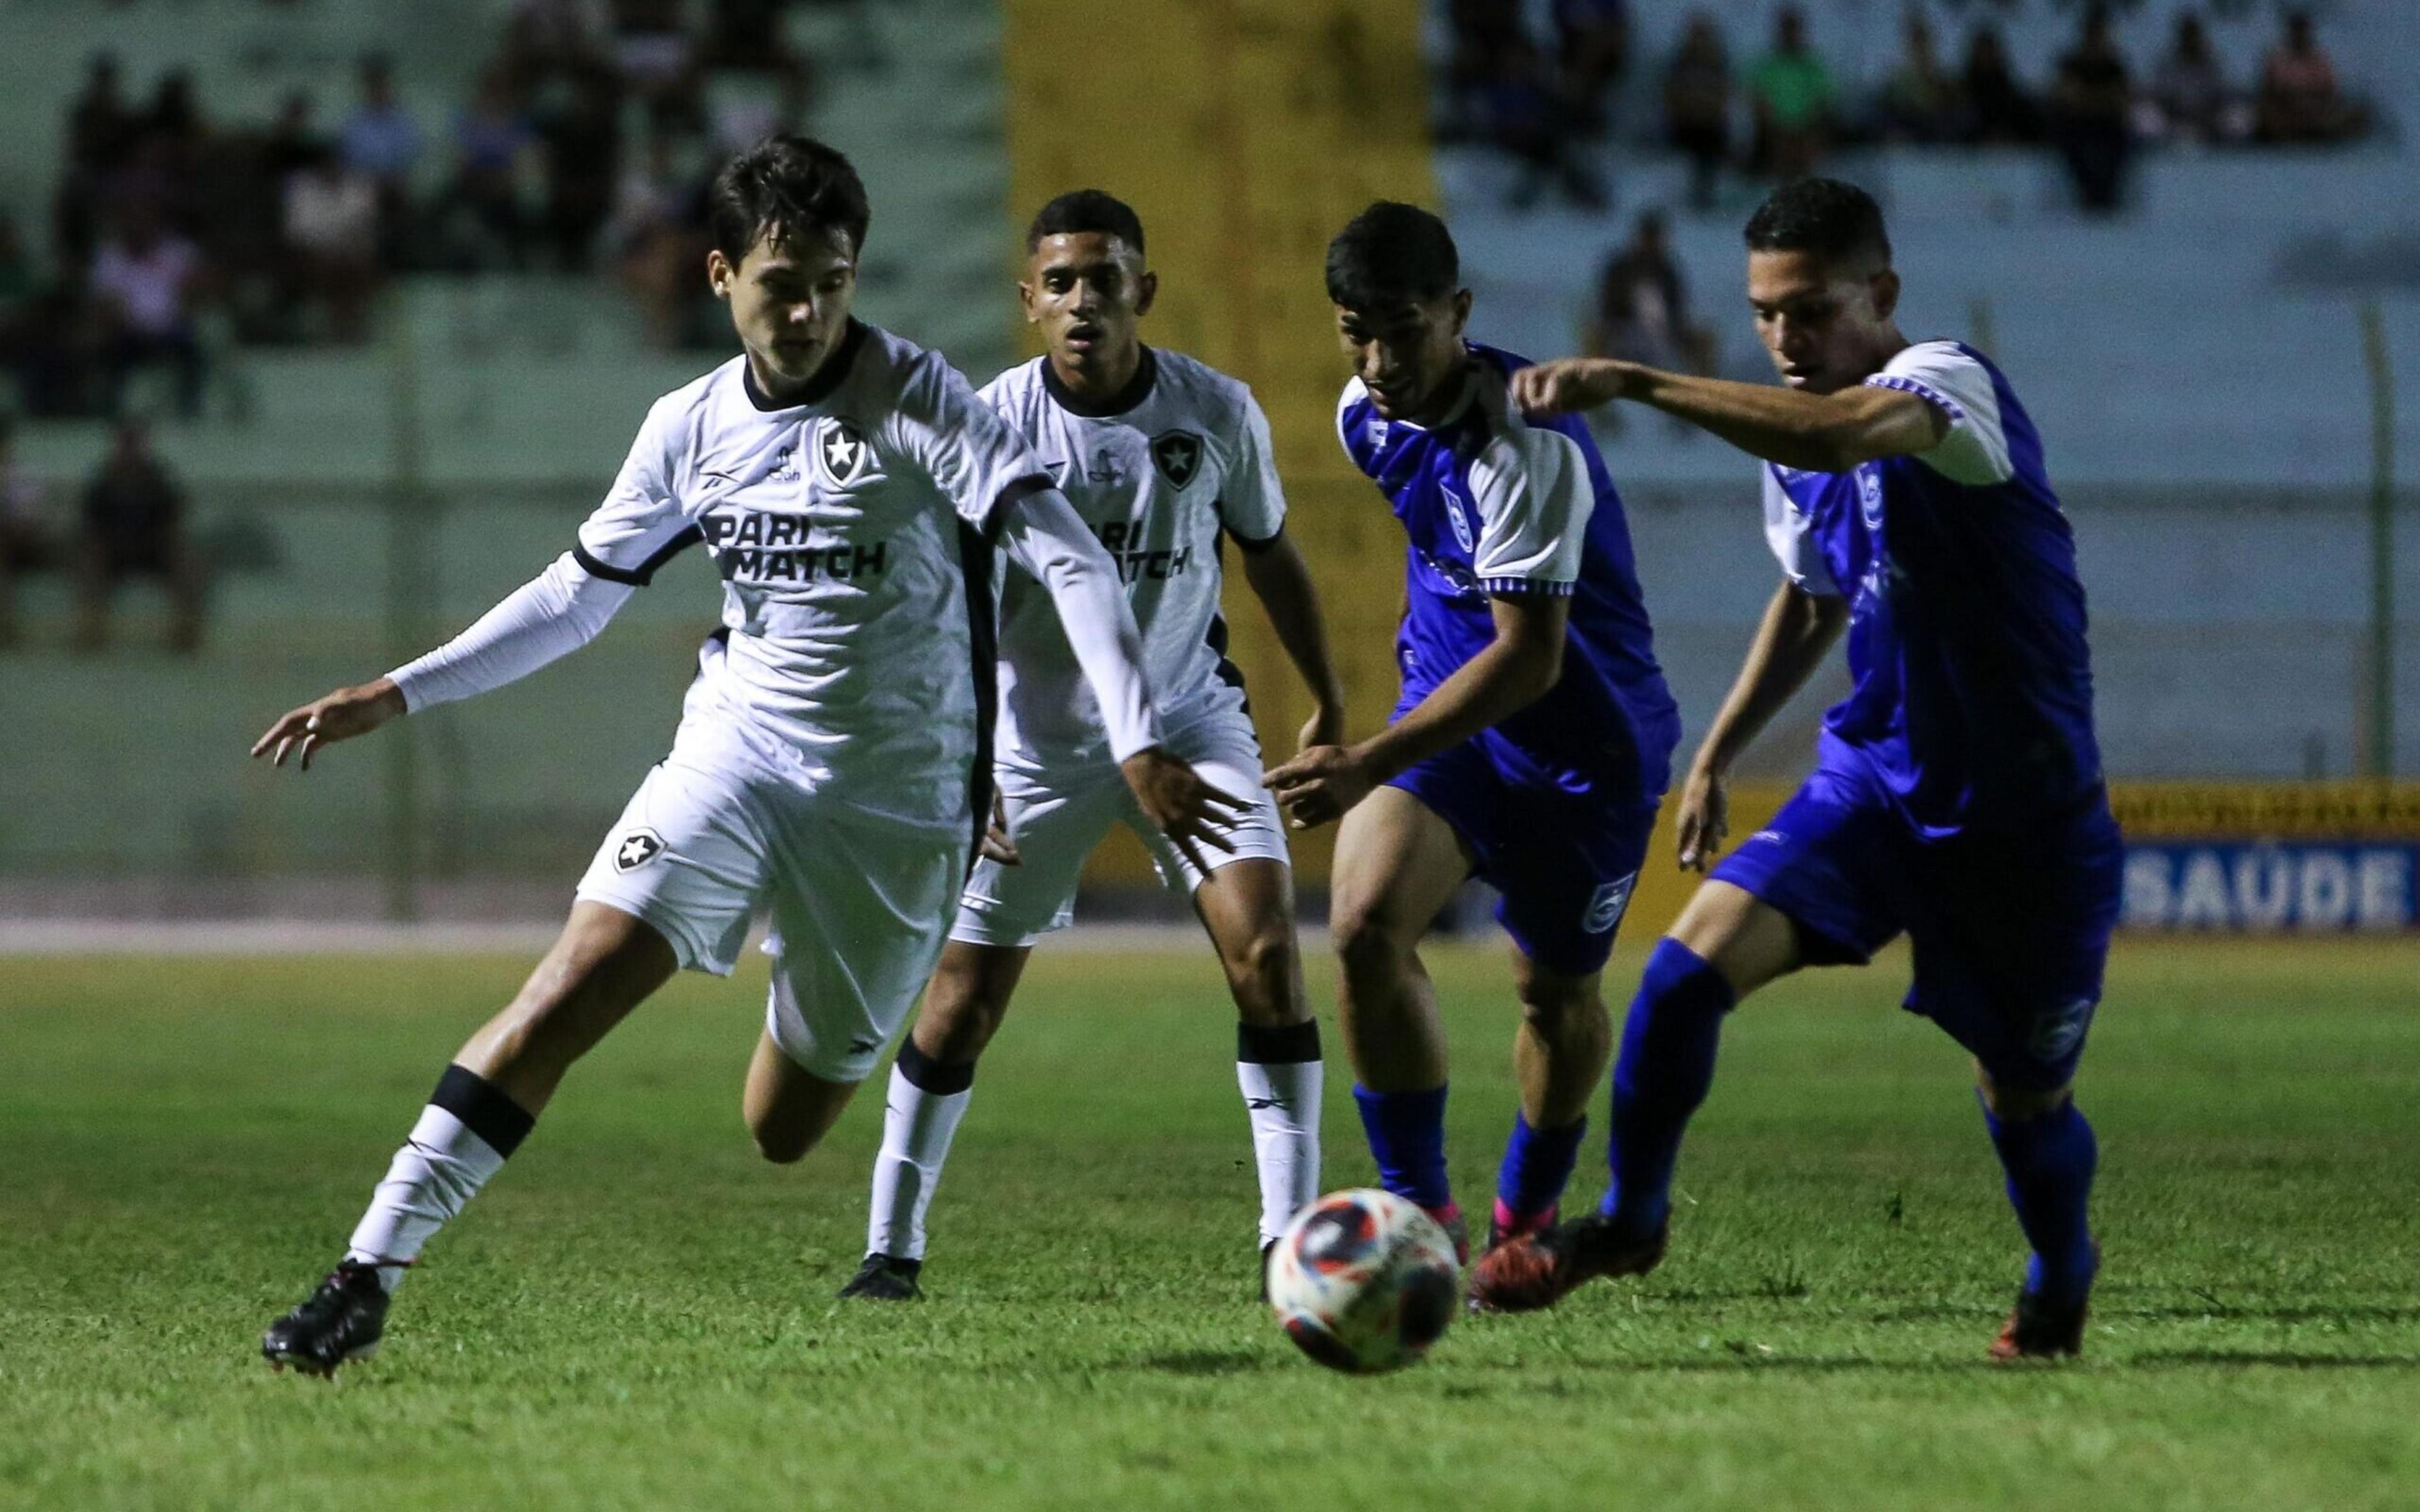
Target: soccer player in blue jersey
[(1534, 736), (1956, 794)]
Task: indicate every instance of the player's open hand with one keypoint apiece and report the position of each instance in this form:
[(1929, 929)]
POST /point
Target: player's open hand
[(1704, 818), (996, 845), (340, 715), (1188, 810), (1320, 784), (1570, 383)]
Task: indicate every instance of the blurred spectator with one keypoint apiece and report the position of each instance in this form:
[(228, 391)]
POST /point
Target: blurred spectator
[(29, 539), (1793, 93), (101, 132), (2299, 99), (544, 36), (2189, 97), (481, 222), (57, 351), (2091, 114), (18, 281), (750, 35), (1642, 306), (102, 128), (656, 51), (133, 526), (144, 279), (580, 127), (331, 220), (1483, 30), (381, 139), (1919, 99), (291, 143), (1697, 106), (1521, 115), (659, 252), (1591, 50), (1999, 111), (175, 117)]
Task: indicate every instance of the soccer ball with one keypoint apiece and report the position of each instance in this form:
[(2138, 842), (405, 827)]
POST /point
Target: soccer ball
[(1364, 1280)]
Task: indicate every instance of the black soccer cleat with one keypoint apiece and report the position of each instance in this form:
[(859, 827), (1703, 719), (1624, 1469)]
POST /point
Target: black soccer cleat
[(885, 1278), (342, 1321)]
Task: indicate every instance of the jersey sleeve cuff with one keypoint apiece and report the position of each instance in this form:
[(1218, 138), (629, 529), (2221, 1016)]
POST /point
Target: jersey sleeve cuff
[(1947, 406), (1518, 587), (1251, 547)]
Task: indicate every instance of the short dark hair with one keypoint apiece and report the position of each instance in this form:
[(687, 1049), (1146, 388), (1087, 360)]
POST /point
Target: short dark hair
[(1835, 221), (1392, 253), (786, 186), (1079, 210)]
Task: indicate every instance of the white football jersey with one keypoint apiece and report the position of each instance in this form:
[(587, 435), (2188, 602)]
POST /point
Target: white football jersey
[(1160, 472), (853, 530)]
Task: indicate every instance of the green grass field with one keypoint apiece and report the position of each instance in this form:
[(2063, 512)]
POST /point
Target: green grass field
[(638, 1313)]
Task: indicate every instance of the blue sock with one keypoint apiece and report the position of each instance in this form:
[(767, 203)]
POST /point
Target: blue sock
[(1406, 1133), (2050, 1161), (1666, 1065), (1537, 1165)]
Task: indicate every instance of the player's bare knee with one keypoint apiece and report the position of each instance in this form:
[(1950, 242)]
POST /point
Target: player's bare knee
[(1557, 1006), (1263, 973), (1367, 940), (2016, 1105), (781, 1145)]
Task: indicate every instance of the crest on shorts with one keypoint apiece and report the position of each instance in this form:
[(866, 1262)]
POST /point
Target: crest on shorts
[(1607, 905), (1178, 453), (637, 849), (842, 450), (2058, 1031)]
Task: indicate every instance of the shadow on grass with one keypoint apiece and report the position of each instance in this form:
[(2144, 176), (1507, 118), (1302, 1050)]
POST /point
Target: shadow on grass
[(1205, 1362), (2277, 1360)]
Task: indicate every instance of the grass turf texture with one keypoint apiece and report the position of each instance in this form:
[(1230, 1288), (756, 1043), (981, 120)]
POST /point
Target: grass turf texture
[(639, 1314)]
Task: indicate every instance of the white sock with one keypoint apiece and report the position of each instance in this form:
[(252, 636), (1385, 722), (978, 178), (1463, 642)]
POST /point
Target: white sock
[(438, 1169), (1281, 1076), (918, 1123)]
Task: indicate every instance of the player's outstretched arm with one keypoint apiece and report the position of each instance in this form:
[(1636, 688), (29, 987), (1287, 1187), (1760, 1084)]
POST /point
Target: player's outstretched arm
[(1512, 672), (1047, 538), (1280, 579), (551, 615), (1797, 631), (1814, 432)]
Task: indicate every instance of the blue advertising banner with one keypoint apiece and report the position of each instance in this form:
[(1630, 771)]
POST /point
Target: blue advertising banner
[(2238, 886)]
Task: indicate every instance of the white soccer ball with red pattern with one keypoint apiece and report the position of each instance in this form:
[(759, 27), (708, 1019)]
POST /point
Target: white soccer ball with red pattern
[(1364, 1280)]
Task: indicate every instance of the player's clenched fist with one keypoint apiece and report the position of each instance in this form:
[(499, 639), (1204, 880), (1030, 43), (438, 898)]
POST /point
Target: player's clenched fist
[(1320, 784), (1187, 810), (1569, 383), (340, 715)]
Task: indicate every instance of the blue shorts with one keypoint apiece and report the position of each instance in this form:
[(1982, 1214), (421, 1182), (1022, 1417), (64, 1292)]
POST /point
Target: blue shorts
[(2010, 930), (1565, 862)]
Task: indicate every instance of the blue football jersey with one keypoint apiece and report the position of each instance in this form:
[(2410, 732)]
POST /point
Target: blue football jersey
[(1494, 504), (1972, 696)]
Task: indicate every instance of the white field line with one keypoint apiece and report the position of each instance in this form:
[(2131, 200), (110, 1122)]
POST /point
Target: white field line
[(275, 937)]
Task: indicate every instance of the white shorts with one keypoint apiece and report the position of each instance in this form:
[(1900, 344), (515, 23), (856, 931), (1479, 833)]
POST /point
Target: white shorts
[(859, 902), (1057, 817)]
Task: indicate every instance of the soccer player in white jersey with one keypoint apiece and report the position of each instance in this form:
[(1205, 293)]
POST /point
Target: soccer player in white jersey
[(1166, 460), (831, 763)]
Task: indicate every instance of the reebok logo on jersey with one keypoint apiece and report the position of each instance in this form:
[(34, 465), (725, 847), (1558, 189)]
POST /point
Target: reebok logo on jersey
[(1178, 453), (1607, 905), (840, 448), (637, 849), (762, 545)]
